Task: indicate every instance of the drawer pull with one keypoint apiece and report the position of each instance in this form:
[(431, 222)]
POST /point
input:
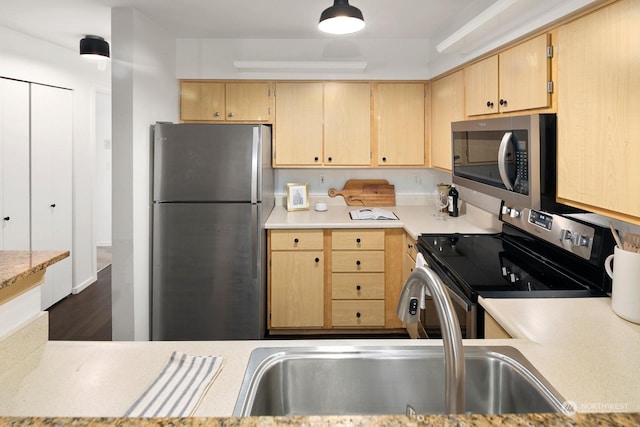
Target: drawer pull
[(358, 287), (358, 262), (296, 240), (358, 314), (358, 240)]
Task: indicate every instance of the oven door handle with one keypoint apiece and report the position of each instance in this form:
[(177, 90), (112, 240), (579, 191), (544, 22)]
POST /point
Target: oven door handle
[(502, 160)]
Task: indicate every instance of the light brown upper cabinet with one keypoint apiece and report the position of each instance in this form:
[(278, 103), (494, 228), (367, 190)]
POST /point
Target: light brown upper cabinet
[(400, 123), (322, 124), (481, 87), (598, 111), (298, 124), (347, 124), (447, 105), (514, 80), (219, 101)]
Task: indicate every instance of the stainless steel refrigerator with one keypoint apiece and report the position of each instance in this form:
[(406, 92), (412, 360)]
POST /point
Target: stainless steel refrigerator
[(212, 190)]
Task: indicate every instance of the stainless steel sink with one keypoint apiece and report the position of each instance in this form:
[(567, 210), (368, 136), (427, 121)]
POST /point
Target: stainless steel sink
[(384, 380)]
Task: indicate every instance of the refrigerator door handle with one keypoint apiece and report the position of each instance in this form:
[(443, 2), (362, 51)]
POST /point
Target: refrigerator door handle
[(255, 159), (255, 231)]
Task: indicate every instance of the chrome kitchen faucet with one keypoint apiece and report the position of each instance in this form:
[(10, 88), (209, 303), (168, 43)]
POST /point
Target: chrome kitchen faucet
[(423, 281)]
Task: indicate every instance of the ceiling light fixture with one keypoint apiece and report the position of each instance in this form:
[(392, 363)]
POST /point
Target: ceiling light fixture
[(94, 47), (341, 18)]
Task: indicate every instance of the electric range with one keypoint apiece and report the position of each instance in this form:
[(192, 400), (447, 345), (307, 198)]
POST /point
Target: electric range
[(537, 255)]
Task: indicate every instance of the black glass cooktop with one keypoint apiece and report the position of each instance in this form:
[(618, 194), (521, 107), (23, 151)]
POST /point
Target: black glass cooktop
[(500, 266)]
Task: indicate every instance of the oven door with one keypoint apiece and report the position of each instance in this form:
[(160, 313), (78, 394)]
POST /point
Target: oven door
[(465, 309)]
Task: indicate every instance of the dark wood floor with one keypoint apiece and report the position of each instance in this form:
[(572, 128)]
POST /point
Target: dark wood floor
[(85, 316)]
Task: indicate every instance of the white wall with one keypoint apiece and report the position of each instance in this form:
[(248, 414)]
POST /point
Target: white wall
[(26, 58), (145, 90), (102, 169)]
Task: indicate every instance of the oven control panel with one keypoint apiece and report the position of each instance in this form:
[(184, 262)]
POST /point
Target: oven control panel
[(541, 219), (562, 231)]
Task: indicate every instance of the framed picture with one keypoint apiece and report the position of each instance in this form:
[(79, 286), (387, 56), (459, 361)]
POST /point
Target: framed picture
[(297, 196)]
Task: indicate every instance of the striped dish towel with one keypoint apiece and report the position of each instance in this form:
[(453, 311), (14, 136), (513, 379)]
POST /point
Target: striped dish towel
[(179, 388)]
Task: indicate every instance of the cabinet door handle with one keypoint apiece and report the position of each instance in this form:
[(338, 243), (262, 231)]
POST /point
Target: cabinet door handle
[(489, 104), (317, 260), (7, 218), (358, 315), (358, 287), (216, 114), (329, 159), (384, 159), (503, 102), (315, 159), (231, 114), (358, 262), (53, 205)]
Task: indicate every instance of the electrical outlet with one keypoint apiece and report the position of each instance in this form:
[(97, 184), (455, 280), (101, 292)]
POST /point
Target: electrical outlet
[(322, 179)]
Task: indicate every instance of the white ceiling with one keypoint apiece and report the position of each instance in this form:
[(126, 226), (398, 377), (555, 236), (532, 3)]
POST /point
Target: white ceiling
[(65, 22)]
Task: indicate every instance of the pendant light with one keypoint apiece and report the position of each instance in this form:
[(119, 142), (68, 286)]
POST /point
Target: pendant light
[(341, 18), (94, 47)]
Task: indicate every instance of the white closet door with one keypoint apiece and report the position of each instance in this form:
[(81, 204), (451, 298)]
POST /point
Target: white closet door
[(51, 184), (14, 164)]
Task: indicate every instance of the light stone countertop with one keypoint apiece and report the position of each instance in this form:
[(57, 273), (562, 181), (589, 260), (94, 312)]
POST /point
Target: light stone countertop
[(586, 352), (580, 345), (414, 219)]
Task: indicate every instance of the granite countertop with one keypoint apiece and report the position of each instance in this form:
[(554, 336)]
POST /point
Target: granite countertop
[(18, 265), (578, 420)]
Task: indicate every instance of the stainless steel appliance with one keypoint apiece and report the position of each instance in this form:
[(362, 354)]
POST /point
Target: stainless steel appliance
[(537, 255), (510, 158), (212, 193)]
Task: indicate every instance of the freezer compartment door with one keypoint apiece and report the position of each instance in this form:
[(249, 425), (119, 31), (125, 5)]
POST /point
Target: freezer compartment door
[(208, 280), (204, 162)]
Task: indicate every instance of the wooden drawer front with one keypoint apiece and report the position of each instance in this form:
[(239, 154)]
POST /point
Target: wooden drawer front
[(412, 247), (357, 286), (356, 261), (357, 239), (296, 239), (358, 313)]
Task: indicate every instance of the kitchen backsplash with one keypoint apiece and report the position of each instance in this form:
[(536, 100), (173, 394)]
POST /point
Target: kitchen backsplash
[(407, 182)]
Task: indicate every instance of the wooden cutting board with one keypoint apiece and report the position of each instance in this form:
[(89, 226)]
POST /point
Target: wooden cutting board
[(367, 192)]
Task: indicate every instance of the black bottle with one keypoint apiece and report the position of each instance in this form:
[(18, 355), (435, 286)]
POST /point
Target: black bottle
[(453, 201)]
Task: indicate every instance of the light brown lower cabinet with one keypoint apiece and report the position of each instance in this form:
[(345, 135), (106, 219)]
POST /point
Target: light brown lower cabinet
[(492, 329), (333, 281), (296, 279), (357, 313)]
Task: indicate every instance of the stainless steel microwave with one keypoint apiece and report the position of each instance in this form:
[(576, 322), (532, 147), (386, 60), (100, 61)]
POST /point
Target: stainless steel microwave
[(510, 158)]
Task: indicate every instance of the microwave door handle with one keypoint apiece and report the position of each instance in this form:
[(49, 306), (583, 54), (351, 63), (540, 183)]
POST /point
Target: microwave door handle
[(502, 160)]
